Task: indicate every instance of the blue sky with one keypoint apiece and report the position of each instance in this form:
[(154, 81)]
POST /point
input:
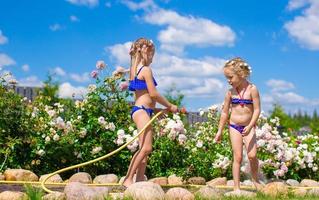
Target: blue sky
[(279, 39)]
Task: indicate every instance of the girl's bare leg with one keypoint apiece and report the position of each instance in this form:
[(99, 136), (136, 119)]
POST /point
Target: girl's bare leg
[(237, 147), (140, 118), (251, 147), (142, 167)]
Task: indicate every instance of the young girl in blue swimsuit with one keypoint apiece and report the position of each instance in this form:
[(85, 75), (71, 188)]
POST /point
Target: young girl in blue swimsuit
[(143, 84), (242, 103)]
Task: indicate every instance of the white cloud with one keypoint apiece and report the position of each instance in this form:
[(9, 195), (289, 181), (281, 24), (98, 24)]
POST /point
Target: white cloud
[(74, 18), (120, 53), (183, 31), (3, 39), (5, 60), (145, 5), (279, 85), (55, 27), (295, 4), (59, 71), (286, 98), (25, 67), (31, 81), (166, 64), (81, 78), (304, 28), (89, 3), (66, 90)]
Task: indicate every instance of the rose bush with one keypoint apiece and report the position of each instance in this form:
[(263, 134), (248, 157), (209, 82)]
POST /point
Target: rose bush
[(50, 133)]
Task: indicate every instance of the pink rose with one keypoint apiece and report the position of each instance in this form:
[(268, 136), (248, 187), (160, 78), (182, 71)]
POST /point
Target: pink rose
[(100, 65), (123, 85), (94, 74)]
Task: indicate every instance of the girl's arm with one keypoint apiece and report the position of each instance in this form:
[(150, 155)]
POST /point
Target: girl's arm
[(223, 117), (147, 72), (256, 106), (225, 112), (256, 112)]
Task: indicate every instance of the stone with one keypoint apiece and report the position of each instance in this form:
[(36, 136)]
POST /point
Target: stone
[(241, 193), (79, 191), (275, 189), (208, 192), (145, 190), (53, 179), (81, 177), (299, 192), (292, 182), (175, 180), (159, 180), (107, 178), (247, 183), (230, 183), (197, 181), (179, 193), (217, 181), (2, 177), (20, 175), (308, 183), (54, 196), (10, 195)]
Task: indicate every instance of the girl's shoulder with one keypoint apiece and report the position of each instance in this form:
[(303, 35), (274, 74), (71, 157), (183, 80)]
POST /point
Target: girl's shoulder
[(146, 69), (253, 87)]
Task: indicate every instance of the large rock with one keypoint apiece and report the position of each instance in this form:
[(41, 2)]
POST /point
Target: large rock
[(240, 193), (175, 180), (107, 178), (230, 183), (275, 189), (2, 177), (208, 192), (81, 177), (145, 191), (54, 196), (79, 191), (179, 193), (217, 181), (292, 182), (299, 192), (197, 181), (20, 175), (247, 183), (159, 180), (10, 195), (53, 179), (308, 183)]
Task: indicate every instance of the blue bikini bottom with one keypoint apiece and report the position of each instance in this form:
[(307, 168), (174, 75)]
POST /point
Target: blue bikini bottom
[(239, 128), (149, 111)]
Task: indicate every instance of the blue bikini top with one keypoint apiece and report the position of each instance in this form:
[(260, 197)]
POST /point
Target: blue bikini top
[(138, 84), (241, 101)]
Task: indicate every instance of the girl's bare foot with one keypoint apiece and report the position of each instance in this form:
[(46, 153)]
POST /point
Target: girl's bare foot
[(127, 182)]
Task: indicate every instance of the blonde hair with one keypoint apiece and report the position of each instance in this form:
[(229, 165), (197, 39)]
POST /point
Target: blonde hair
[(139, 46), (239, 66)]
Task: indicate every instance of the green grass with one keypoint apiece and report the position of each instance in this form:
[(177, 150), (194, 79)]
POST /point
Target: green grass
[(33, 193)]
